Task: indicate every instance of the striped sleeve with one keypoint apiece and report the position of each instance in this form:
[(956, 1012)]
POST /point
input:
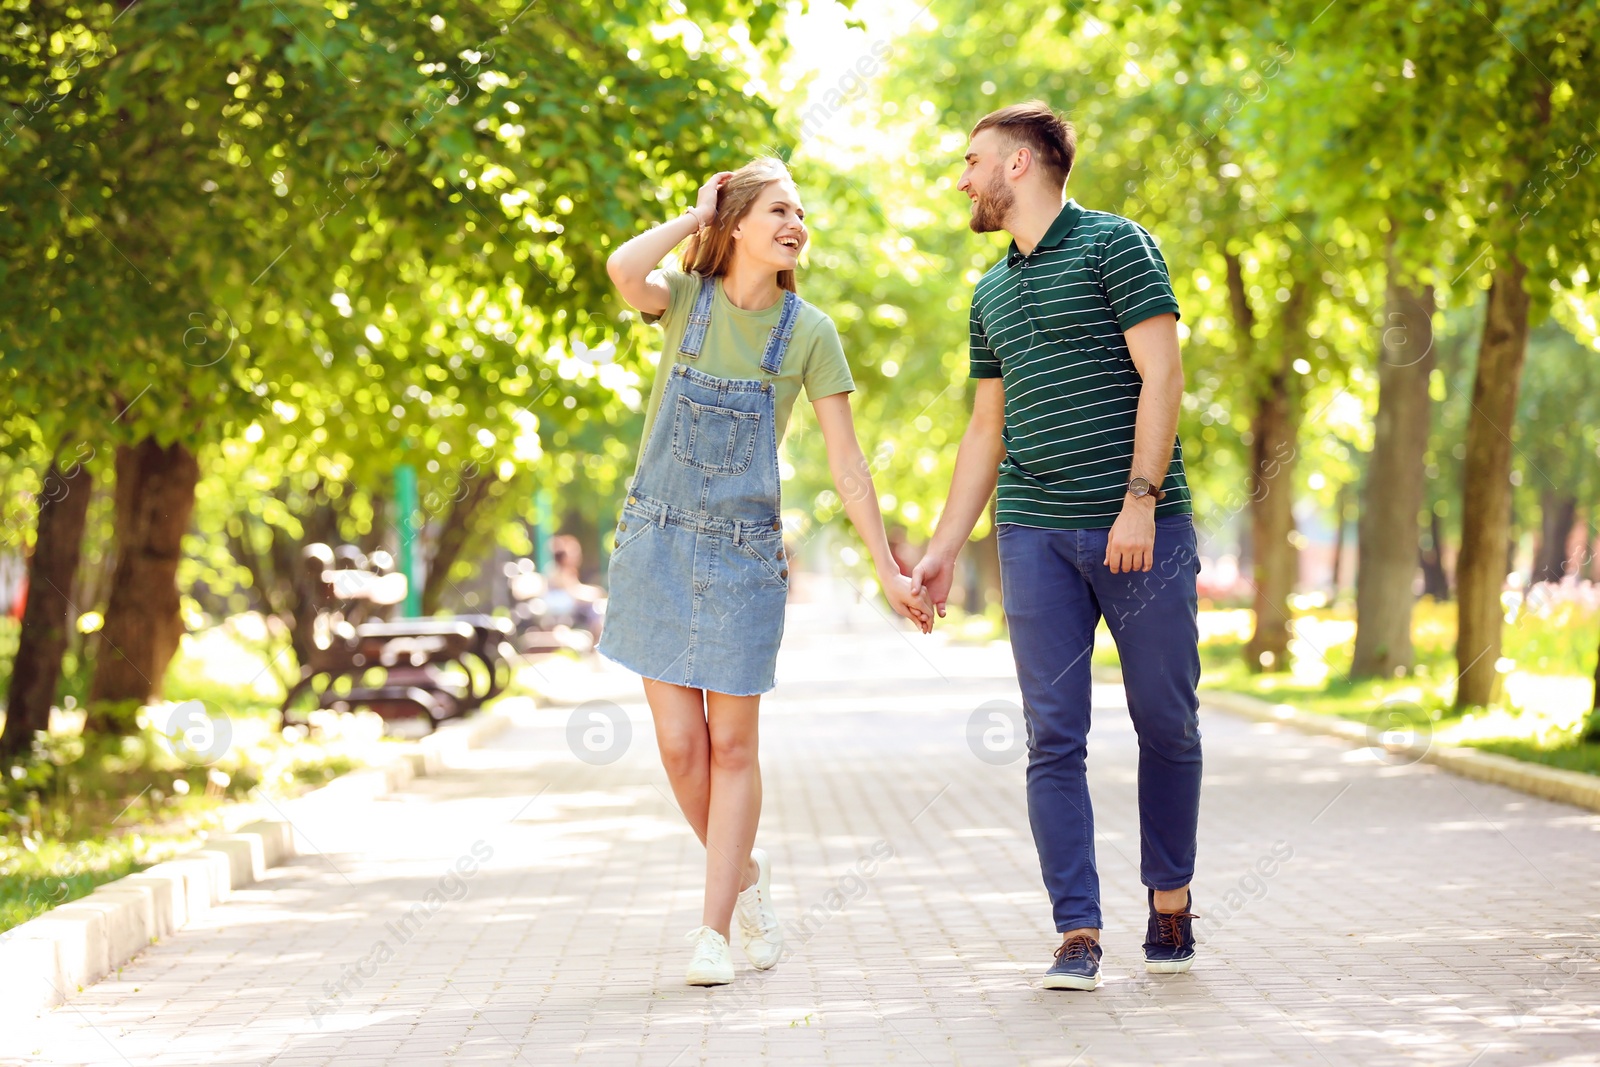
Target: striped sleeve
[(1134, 276), (981, 360)]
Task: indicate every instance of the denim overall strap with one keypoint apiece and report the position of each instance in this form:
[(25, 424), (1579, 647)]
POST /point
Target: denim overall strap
[(778, 343), (694, 335)]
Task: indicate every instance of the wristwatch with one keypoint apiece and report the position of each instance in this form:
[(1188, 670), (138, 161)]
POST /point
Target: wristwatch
[(1141, 488)]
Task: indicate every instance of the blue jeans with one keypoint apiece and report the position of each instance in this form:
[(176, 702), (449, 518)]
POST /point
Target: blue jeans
[(1056, 588)]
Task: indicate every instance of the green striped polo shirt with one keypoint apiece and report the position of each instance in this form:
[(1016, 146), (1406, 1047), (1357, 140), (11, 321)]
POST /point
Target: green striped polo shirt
[(1051, 325)]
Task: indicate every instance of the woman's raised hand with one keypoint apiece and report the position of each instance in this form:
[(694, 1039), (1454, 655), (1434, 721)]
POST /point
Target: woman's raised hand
[(705, 208)]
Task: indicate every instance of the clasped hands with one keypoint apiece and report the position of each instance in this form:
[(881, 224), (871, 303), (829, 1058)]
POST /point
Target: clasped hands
[(1130, 546), (906, 599)]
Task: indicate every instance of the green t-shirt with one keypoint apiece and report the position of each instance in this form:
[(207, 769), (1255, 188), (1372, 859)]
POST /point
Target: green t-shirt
[(736, 341)]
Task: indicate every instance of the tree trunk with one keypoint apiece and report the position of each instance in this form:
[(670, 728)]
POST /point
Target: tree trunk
[(1435, 580), (1486, 488), (280, 589), (471, 494), (577, 521), (984, 553), (1513, 540), (1591, 726), (1339, 524), (1591, 541), (278, 576), (1274, 447), (48, 615), (154, 501), (1391, 500), (1558, 512), (378, 532)]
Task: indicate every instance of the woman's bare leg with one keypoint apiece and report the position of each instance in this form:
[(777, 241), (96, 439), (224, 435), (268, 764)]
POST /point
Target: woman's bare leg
[(685, 744), (735, 806)]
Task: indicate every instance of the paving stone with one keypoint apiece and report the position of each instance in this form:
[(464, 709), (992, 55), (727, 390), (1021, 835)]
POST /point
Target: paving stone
[(1420, 918)]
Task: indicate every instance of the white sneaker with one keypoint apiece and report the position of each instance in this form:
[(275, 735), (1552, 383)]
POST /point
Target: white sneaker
[(758, 923), (711, 963)]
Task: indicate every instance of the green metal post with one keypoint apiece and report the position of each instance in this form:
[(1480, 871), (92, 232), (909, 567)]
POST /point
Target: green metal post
[(544, 529), (405, 502)]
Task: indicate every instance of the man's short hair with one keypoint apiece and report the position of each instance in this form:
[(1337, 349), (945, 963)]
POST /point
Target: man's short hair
[(1053, 140)]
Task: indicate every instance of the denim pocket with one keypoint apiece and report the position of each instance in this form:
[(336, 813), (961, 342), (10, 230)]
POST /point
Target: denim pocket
[(633, 525), (1187, 554), (771, 555), (712, 439)]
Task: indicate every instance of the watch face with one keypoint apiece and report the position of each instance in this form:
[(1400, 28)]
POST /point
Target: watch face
[(1139, 486)]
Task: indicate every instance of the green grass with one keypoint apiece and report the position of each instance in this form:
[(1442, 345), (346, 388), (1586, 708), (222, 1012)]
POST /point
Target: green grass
[(963, 628), (1548, 653), (42, 873), (1570, 755), (84, 815), (80, 812)]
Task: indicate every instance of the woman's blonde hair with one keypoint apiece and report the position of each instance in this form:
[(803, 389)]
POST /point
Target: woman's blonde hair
[(711, 250)]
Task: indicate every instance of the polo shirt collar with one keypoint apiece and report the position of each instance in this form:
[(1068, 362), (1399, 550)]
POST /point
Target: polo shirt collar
[(1058, 232)]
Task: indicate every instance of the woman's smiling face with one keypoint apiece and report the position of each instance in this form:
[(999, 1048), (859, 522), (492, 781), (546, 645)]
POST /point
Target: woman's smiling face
[(773, 232)]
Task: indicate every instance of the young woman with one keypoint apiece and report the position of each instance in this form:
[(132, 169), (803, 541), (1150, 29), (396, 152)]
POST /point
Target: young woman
[(698, 576)]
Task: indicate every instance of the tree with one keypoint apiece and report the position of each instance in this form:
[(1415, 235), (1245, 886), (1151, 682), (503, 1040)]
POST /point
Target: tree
[(53, 413), (154, 500), (390, 157), (1229, 182), (1352, 130), (1561, 397), (1277, 406), (1526, 115), (63, 503), (1138, 157), (1392, 497), (1483, 115)]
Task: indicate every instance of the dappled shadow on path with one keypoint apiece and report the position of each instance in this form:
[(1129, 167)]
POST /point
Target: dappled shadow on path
[(1354, 912)]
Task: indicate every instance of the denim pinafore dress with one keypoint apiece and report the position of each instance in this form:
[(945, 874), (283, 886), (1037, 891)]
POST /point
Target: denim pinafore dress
[(699, 577)]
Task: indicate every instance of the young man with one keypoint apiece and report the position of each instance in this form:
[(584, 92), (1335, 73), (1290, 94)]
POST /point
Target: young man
[(1074, 346)]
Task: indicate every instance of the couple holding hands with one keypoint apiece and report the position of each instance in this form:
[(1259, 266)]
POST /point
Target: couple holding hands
[(1074, 348)]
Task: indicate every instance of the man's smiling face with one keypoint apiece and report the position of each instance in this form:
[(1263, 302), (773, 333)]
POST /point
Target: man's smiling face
[(984, 181)]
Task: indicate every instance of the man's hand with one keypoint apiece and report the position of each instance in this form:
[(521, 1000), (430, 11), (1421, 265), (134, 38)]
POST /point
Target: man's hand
[(914, 606), (932, 577), (1131, 545), (1153, 346)]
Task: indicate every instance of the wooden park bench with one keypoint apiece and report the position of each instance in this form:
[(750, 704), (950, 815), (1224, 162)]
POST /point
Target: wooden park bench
[(351, 638)]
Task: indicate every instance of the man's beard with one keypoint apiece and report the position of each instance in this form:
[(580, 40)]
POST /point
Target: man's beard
[(993, 204)]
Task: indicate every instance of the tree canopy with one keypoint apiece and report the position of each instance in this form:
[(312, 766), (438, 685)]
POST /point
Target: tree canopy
[(305, 244)]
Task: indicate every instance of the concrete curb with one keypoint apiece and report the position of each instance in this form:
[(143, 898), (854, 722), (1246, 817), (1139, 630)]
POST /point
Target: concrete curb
[(52, 958), (1552, 783)]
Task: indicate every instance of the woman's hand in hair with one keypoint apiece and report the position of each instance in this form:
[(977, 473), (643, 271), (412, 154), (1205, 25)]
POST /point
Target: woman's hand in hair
[(705, 208), (633, 268)]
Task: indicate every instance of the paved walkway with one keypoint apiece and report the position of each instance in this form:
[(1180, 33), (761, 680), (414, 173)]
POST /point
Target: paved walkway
[(529, 906)]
